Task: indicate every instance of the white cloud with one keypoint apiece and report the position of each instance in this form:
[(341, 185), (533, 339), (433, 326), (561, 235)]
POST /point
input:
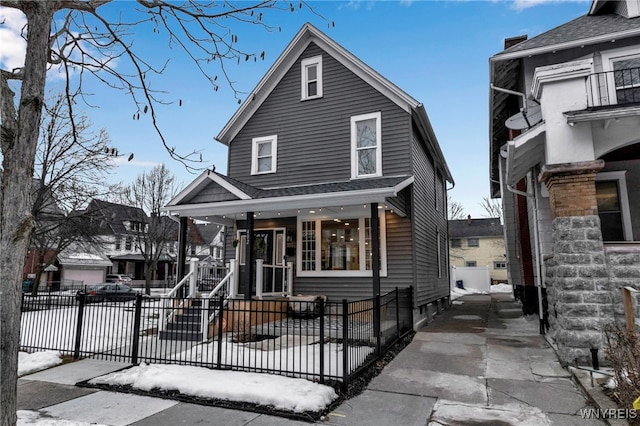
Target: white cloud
[(122, 161), (526, 4), (12, 45)]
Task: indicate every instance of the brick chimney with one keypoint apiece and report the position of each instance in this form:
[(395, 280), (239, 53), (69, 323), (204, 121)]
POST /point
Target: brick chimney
[(468, 219)]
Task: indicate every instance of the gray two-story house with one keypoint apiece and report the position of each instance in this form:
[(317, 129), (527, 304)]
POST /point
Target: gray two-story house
[(335, 180)]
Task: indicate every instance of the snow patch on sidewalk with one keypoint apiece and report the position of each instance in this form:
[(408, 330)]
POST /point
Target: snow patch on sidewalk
[(36, 361)]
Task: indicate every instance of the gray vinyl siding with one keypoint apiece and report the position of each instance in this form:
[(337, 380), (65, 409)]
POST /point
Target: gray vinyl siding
[(427, 222), (314, 136), (211, 193)]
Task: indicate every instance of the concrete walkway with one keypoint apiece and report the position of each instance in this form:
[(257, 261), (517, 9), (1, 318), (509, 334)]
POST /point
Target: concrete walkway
[(479, 363)]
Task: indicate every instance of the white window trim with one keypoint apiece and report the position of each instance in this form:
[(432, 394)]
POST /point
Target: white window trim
[(354, 141), (255, 142), (611, 56), (320, 273), (439, 253), (620, 176), (316, 60)]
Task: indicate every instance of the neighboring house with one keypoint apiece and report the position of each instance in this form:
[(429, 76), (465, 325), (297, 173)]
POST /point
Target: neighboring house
[(119, 225), (568, 169), (335, 171), (83, 263), (213, 238), (478, 242)]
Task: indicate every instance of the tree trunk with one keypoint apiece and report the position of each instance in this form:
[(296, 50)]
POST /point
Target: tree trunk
[(20, 136), (147, 278)]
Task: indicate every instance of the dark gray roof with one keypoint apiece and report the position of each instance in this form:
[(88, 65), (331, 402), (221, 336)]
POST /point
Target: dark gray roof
[(322, 188), (583, 27), (114, 214), (465, 228)]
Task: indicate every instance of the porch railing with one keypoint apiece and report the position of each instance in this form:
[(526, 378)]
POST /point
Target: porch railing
[(617, 87)]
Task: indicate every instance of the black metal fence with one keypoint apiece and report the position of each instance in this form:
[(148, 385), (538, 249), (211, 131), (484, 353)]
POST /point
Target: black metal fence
[(314, 339)]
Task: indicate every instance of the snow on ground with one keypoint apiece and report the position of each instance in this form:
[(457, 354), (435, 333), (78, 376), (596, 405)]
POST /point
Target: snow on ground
[(27, 418), (36, 361), (496, 288), (283, 393), (451, 412)]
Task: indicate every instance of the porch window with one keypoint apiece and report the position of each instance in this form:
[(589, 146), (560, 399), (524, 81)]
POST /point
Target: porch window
[(613, 206), (366, 145), (312, 78), (264, 155), (338, 246)]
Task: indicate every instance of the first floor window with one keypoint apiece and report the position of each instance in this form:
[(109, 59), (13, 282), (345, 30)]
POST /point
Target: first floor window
[(338, 246), (613, 206), (471, 263), (499, 265)]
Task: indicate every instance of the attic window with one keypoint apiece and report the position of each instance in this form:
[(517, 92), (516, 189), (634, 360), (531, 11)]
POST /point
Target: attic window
[(264, 155), (312, 78)]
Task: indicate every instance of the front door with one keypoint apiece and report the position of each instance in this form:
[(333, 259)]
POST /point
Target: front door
[(269, 246)]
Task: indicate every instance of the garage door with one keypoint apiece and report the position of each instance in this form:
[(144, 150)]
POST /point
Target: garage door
[(87, 276)]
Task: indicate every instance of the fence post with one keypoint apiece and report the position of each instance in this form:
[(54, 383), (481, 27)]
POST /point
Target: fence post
[(233, 281), (397, 313), (259, 271), (321, 305), (204, 319), (220, 330), (376, 326), (193, 280), (289, 278), (345, 344), (135, 344), (76, 346)]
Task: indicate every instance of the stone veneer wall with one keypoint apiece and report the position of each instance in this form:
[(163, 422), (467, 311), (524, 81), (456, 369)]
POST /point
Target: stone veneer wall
[(578, 288), (583, 281)]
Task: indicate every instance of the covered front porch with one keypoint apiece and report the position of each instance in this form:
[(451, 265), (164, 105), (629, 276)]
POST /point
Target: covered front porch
[(323, 237)]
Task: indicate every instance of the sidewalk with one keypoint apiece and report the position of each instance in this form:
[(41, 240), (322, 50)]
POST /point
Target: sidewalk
[(479, 362)]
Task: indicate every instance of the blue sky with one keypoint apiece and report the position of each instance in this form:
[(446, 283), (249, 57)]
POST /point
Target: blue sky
[(437, 51)]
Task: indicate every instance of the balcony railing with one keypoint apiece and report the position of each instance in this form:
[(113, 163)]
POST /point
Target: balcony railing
[(619, 87)]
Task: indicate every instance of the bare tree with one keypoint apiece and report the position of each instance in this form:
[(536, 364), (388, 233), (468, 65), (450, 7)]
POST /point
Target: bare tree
[(455, 210), (492, 207), (69, 171), (79, 38), (150, 192)]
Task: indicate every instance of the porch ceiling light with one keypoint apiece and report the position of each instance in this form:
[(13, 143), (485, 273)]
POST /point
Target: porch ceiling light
[(312, 211)]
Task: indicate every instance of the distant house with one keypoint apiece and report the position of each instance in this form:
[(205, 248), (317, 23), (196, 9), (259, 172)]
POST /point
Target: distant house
[(565, 159), (83, 263), (119, 225), (334, 174), (478, 242)]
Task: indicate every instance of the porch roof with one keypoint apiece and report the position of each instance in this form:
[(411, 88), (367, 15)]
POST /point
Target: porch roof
[(282, 201)]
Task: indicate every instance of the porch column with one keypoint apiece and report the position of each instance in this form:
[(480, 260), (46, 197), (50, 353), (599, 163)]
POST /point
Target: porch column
[(375, 248), (182, 248), (249, 257), (375, 265), (580, 296)]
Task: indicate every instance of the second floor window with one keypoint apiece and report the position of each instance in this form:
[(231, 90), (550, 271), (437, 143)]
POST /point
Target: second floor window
[(312, 78), (455, 242), (264, 155), (118, 243), (128, 243), (473, 242), (366, 145)]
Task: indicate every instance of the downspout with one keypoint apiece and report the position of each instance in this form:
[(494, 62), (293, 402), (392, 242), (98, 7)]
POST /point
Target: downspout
[(537, 246)]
